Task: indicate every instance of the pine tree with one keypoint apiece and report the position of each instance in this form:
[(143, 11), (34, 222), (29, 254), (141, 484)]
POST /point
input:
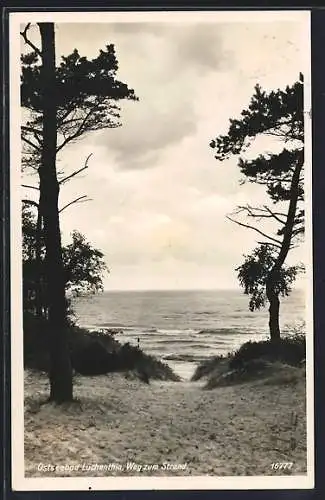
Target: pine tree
[(264, 274), (62, 104)]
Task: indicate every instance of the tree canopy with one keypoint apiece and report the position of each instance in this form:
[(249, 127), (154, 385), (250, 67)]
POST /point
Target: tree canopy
[(84, 265), (86, 94)]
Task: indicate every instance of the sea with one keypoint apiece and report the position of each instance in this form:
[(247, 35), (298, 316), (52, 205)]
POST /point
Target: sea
[(183, 328)]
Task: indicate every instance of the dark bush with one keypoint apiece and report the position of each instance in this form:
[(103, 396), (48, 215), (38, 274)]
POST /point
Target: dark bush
[(92, 353), (93, 359), (290, 350), (36, 342), (132, 358)]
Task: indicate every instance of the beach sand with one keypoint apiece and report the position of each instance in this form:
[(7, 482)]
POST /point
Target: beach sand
[(234, 430)]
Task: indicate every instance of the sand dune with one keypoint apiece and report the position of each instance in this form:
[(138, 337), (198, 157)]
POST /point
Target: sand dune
[(238, 430)]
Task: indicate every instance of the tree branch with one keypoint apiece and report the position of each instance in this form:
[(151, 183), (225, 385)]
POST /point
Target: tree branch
[(28, 42), (81, 199), (64, 116), (274, 215), (266, 213), (30, 187), (30, 143), (255, 229), (76, 172), (81, 127), (269, 244), (33, 131)]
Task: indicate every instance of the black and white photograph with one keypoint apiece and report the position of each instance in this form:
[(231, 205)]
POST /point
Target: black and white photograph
[(161, 250)]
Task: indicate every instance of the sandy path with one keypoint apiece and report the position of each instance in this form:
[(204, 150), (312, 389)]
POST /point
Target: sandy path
[(236, 430)]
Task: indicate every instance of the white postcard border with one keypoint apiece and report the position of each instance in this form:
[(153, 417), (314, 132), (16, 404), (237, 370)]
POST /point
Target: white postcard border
[(19, 481)]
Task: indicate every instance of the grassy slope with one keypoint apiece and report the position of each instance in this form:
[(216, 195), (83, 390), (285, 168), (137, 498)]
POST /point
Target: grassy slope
[(277, 363)]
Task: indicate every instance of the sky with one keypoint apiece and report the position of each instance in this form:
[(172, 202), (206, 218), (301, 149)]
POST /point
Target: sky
[(159, 198)]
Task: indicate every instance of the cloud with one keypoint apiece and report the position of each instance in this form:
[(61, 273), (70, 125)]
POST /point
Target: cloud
[(192, 44), (159, 196), (200, 46), (138, 28), (149, 129), (171, 61)]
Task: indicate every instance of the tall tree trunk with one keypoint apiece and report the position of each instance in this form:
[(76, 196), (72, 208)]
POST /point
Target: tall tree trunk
[(272, 281), (274, 312), (60, 364), (38, 257)]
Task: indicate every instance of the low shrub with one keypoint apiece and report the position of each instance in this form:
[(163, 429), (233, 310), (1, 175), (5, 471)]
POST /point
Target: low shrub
[(290, 350), (257, 360), (259, 371)]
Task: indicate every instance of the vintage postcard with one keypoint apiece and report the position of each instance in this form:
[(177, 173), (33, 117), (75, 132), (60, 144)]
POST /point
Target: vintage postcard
[(160, 170)]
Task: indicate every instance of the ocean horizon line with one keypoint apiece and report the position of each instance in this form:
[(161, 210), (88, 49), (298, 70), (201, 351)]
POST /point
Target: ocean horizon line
[(225, 289)]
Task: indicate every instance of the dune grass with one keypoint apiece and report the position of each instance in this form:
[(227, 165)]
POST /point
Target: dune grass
[(276, 362)]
